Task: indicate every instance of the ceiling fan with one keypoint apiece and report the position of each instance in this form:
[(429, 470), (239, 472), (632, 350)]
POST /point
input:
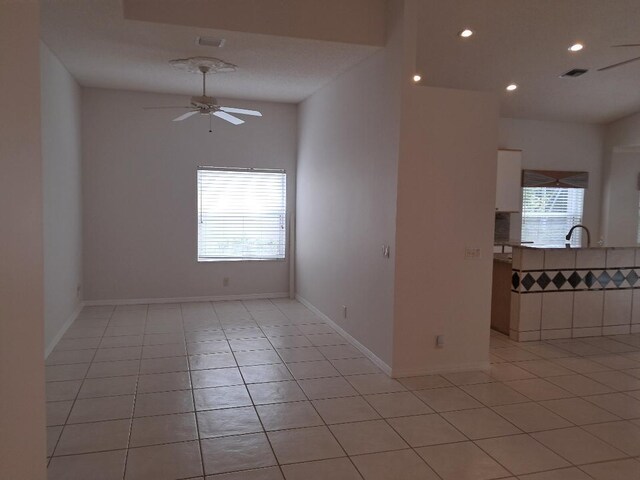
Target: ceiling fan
[(625, 62), (205, 105)]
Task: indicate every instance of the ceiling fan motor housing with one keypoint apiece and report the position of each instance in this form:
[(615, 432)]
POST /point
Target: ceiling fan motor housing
[(204, 102)]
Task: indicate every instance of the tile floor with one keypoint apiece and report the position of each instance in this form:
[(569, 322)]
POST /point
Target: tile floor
[(263, 390)]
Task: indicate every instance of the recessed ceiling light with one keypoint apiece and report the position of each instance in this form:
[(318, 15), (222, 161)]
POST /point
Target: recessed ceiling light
[(466, 33), (417, 77), (576, 47), (511, 87)]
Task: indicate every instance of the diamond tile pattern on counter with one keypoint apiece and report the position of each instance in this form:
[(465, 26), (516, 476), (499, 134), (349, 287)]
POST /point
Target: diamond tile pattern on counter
[(250, 391)]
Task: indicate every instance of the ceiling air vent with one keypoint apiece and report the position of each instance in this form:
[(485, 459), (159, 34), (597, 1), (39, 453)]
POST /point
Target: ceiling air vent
[(210, 42), (576, 72)]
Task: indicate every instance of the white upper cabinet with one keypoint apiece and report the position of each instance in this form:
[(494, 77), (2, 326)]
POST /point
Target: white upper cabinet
[(508, 191)]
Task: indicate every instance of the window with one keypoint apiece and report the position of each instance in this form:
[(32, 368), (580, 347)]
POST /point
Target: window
[(548, 214), (241, 214)]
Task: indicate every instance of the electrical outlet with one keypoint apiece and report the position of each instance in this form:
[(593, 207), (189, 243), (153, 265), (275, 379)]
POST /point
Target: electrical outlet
[(471, 252), (225, 282), (344, 311)]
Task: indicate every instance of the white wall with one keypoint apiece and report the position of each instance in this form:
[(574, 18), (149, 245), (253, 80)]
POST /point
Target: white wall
[(139, 195), (62, 184), (346, 203), (559, 146), (446, 203), (622, 217), (618, 227), (22, 417)]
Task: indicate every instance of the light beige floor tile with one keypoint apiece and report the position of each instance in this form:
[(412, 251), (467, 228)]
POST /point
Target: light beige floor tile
[(521, 454), (95, 466), (625, 436), (425, 381), (164, 462), (221, 397), (107, 387), (221, 377), (492, 394), (398, 404), (580, 385), (228, 421), (335, 469), (114, 369), (53, 434), (332, 387), (504, 372), (164, 382), (468, 378), (538, 389), (580, 365), (315, 369), (280, 416), (367, 437), (164, 365), (241, 452), (515, 354), (265, 373), (617, 380), (268, 473), (531, 417), (275, 392), (423, 430), (480, 423), (617, 362), (104, 408), (302, 354), (213, 360), (77, 343), (291, 341), (334, 352), (374, 383), (57, 412), (616, 470), (562, 474), (163, 403), (59, 373), (59, 391), (355, 366), (68, 357), (461, 461), (577, 445), (346, 409), (163, 429), (117, 353), (447, 399), (257, 357), (544, 368), (242, 345), (400, 464), (305, 445), (93, 437), (624, 406), (579, 411), (168, 350)]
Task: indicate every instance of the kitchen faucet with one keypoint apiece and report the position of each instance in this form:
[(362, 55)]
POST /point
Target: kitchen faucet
[(568, 237)]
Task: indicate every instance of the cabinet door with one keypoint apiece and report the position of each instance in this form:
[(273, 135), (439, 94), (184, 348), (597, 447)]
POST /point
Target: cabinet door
[(508, 191)]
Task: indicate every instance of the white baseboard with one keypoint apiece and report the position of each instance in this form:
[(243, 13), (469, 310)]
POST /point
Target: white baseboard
[(365, 351), (215, 298), (467, 367), (54, 341)]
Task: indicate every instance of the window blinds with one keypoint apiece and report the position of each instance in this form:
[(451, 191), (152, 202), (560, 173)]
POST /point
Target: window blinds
[(549, 213), (241, 214)]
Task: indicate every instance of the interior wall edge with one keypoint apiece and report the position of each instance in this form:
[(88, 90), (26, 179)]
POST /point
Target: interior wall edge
[(463, 367), (213, 298), (355, 343), (63, 329)]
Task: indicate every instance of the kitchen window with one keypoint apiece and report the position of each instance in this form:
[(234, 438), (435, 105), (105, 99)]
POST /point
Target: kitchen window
[(548, 214), (241, 214)]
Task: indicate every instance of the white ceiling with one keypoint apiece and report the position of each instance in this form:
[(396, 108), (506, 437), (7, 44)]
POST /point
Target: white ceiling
[(102, 49), (521, 41), (526, 42)]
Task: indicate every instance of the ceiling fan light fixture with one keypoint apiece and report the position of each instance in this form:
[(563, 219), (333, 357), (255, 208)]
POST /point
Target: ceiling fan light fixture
[(576, 47), (417, 77), (466, 33), (512, 87)]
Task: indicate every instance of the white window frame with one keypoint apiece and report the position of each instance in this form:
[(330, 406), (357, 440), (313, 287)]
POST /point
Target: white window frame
[(279, 209), (572, 216)]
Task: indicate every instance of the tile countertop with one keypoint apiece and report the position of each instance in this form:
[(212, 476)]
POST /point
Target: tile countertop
[(552, 247), (503, 257)]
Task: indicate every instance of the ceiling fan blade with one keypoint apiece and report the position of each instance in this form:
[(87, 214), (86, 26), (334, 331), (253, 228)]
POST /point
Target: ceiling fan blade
[(627, 45), (158, 108), (228, 118), (619, 64), (185, 115), (241, 111)]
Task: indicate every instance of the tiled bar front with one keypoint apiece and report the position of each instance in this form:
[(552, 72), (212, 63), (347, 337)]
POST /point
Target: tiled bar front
[(571, 293)]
